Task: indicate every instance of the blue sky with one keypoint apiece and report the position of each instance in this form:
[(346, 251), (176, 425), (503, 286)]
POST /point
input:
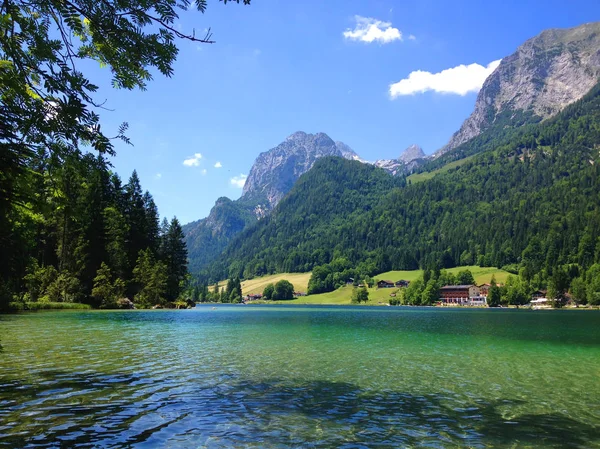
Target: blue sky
[(280, 66)]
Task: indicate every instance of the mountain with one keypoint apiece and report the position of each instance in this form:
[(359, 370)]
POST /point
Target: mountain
[(528, 201), (271, 177), (206, 238), (275, 171), (411, 153), (545, 74), (347, 152), (408, 160), (333, 192)]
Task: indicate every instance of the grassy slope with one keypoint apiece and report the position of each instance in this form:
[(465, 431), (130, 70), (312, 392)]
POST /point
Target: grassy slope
[(257, 285), (420, 177), (343, 295)]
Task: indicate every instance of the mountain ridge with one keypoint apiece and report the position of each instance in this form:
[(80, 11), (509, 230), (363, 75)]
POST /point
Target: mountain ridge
[(530, 85), (408, 160), (544, 75), (271, 177), (275, 171), (534, 213)]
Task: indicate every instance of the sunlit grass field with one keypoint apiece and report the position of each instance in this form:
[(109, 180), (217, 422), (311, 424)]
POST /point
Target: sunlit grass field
[(420, 177), (257, 285), (343, 295), (377, 296)]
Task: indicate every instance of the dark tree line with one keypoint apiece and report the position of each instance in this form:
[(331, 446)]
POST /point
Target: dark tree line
[(57, 202), (230, 294), (83, 236)]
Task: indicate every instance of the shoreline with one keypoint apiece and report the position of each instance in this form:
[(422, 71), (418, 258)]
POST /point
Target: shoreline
[(87, 308)]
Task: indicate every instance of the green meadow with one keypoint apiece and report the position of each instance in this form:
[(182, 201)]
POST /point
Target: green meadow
[(420, 177), (343, 294)]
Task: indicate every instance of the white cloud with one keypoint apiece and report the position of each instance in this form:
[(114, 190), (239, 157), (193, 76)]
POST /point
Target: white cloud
[(158, 176), (218, 165), (370, 30), (193, 161), (412, 37), (458, 80), (204, 171), (239, 181)]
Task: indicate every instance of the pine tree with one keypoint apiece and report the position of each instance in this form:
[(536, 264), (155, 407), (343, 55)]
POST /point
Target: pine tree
[(216, 293), (152, 222), (238, 286), (235, 296), (135, 216), (106, 292), (494, 294), (163, 231), (116, 232), (175, 257), (151, 277)]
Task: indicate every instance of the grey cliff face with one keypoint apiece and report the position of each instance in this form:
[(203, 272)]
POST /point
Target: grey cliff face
[(275, 171), (272, 176), (544, 75), (407, 161), (347, 152), (411, 153)]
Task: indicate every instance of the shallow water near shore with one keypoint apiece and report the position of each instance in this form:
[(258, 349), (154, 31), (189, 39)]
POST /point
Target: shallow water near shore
[(300, 376)]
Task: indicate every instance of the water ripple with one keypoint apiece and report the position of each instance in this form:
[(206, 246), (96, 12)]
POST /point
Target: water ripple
[(281, 379)]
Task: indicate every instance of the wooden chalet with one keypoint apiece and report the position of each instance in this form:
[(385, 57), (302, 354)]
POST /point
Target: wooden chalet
[(402, 283), (385, 284), (538, 294)]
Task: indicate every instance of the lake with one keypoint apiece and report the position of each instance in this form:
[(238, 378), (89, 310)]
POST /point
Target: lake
[(298, 376)]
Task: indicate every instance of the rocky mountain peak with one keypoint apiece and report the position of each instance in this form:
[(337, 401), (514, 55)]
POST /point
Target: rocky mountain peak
[(406, 162), (347, 152), (411, 153), (275, 171), (298, 135), (271, 177), (545, 74)]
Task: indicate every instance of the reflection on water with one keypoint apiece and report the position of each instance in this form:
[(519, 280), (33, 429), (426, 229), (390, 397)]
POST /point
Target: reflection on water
[(310, 377)]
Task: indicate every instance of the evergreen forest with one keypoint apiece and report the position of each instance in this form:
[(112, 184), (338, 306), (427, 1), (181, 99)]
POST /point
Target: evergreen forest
[(527, 200)]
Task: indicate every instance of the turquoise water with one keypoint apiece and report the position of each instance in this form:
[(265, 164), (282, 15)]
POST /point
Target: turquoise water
[(280, 377)]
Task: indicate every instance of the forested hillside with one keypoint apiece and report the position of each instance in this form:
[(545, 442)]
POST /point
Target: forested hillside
[(529, 201), (207, 238), (331, 194), (271, 177), (69, 230)]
